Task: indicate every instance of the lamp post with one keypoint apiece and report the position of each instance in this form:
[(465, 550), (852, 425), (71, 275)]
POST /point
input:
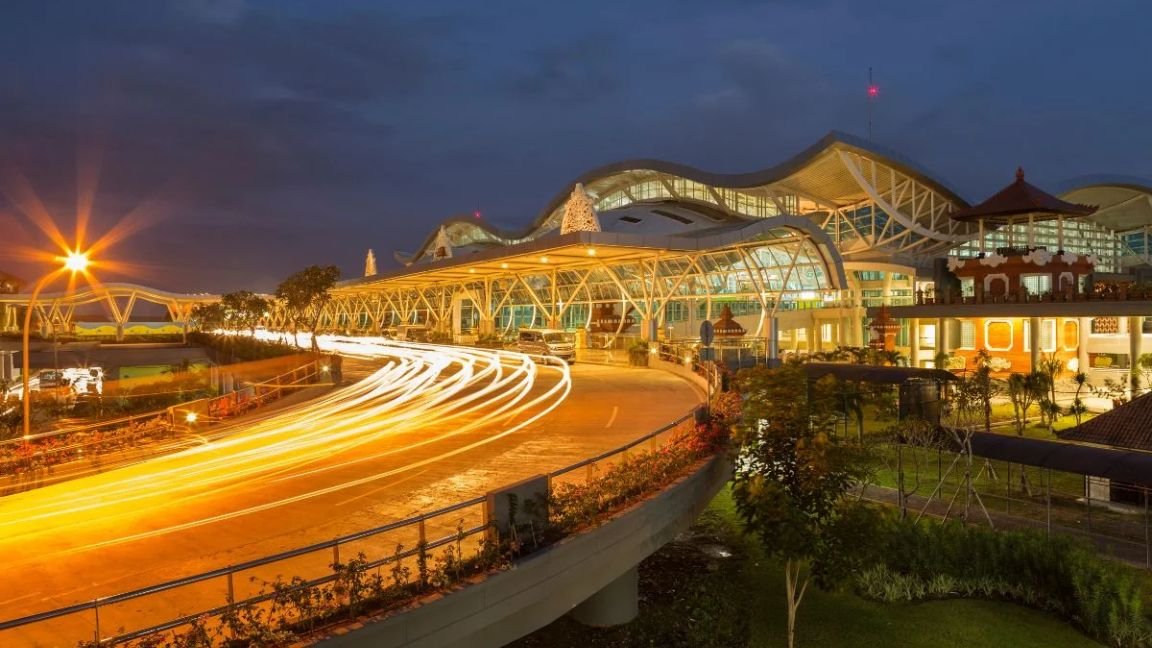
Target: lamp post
[(74, 262)]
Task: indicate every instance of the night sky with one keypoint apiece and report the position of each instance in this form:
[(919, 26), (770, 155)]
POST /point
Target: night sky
[(260, 137)]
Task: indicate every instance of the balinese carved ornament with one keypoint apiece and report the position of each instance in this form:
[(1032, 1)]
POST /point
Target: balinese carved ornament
[(993, 260), (1039, 256), (579, 215)]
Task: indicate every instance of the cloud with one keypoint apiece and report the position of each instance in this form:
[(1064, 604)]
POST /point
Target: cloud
[(578, 72)]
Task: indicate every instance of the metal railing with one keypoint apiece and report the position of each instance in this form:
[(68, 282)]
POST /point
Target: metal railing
[(226, 578), (33, 463)]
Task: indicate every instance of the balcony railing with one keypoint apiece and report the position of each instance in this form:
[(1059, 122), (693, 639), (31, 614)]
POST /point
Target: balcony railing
[(928, 298)]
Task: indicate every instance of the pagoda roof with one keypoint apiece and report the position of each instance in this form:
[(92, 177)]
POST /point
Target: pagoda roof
[(1018, 199)]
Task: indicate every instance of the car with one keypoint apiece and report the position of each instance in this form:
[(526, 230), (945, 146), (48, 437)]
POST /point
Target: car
[(547, 342)]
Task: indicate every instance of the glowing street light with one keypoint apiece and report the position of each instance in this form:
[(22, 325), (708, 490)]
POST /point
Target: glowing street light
[(191, 417), (73, 262), (76, 261)]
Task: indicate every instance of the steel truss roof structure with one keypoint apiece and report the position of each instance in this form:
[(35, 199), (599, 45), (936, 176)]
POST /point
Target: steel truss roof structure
[(777, 264), (873, 203)]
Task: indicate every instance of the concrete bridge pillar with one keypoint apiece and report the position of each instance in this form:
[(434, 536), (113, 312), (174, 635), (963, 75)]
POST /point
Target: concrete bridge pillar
[(616, 603)]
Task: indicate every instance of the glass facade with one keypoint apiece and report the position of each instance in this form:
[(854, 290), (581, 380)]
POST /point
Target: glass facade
[(1080, 236)]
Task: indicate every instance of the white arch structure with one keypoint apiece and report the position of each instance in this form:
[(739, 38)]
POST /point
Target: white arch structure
[(59, 308)]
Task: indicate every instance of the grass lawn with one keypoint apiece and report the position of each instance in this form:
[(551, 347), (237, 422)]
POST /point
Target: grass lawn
[(692, 597)]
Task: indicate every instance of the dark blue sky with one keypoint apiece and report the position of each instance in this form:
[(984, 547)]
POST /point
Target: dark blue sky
[(272, 135)]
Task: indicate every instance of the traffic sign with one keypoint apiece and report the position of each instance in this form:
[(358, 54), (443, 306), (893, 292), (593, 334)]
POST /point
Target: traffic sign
[(706, 333)]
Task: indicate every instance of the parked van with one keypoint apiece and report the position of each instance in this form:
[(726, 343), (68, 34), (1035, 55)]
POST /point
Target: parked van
[(412, 332), (547, 342)]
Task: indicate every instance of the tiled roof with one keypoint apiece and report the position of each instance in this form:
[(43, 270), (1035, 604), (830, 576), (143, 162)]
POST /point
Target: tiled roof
[(1128, 426), (1021, 198)]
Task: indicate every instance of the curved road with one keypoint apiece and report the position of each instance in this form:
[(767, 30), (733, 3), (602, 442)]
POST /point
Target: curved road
[(432, 427)]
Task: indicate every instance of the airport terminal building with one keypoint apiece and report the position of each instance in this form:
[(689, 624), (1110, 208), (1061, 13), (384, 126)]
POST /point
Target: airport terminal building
[(796, 258)]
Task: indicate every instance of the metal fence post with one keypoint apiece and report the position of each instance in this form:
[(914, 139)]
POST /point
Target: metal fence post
[(231, 593), (1147, 547), (96, 607), (335, 555), (1048, 500), (1088, 500), (1008, 480)]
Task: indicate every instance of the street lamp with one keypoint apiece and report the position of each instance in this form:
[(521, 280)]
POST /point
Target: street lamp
[(74, 262)]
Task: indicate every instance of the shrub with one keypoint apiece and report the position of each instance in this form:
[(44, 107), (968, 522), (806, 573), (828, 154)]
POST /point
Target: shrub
[(297, 607), (1058, 575), (240, 348)]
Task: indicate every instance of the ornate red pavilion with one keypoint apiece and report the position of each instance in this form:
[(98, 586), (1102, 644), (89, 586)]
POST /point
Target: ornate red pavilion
[(998, 275)]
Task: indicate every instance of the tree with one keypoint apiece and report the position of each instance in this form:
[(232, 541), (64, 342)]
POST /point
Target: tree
[(208, 316), (983, 387), (304, 296), (1024, 390), (1078, 408), (792, 482), (244, 309), (1050, 366), (918, 435), (1141, 373)]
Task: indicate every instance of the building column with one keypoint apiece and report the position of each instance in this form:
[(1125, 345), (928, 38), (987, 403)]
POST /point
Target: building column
[(914, 342), (1083, 329), (773, 341), (648, 329), (942, 341), (813, 336), (616, 603), (1135, 344), (1034, 343)]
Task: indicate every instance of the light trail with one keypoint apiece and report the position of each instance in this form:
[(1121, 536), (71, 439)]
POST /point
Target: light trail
[(423, 395)]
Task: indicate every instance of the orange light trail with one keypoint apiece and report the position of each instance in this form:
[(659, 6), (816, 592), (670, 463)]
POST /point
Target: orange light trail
[(431, 392)]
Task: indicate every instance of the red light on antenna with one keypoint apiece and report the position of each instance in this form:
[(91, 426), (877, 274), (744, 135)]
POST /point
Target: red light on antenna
[(873, 91), (476, 213)]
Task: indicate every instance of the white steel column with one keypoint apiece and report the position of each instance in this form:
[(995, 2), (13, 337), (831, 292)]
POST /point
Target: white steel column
[(1034, 343), (1135, 344), (1083, 329)]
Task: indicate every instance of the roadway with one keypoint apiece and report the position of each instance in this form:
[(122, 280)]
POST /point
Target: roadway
[(428, 429)]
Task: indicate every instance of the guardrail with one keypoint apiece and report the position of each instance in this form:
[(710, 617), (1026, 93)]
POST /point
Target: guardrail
[(226, 581), (267, 390)]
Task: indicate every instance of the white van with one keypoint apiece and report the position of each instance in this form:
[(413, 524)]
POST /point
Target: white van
[(547, 342)]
